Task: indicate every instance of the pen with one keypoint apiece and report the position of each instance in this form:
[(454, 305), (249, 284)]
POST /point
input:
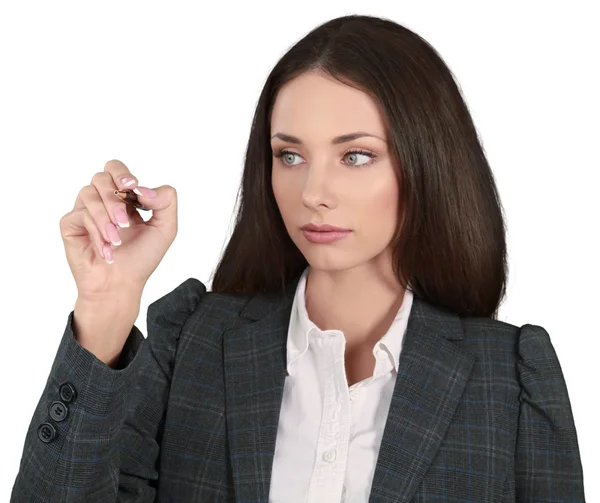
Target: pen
[(130, 197)]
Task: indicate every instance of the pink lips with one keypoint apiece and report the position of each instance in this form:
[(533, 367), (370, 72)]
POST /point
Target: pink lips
[(324, 233)]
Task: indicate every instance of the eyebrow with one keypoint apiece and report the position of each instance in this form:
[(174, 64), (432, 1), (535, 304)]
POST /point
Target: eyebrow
[(336, 141)]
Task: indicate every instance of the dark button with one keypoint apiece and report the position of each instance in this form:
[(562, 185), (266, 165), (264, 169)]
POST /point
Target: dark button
[(67, 392), (46, 432), (58, 410)]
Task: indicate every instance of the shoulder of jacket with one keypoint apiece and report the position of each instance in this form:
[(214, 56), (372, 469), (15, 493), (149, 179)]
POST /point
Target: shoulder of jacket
[(475, 327), (191, 298), (224, 305)]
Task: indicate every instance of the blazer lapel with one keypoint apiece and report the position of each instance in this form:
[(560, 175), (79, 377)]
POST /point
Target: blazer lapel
[(432, 374), (255, 370)]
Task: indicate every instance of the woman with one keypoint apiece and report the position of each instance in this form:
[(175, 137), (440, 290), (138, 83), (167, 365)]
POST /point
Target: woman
[(363, 363)]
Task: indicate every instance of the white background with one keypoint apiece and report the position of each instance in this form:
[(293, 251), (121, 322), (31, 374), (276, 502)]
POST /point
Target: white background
[(170, 90)]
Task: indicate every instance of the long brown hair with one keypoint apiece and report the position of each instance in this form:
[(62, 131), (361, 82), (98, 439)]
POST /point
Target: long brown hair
[(450, 244)]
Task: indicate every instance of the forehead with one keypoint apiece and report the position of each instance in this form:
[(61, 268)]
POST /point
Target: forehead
[(312, 105)]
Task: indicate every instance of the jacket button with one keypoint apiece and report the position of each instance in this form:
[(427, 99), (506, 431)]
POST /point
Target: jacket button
[(67, 392), (46, 432), (58, 411)]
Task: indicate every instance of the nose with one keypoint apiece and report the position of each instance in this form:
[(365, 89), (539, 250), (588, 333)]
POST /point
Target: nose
[(318, 189)]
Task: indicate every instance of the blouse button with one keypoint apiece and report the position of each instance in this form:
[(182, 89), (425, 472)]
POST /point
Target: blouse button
[(330, 455)]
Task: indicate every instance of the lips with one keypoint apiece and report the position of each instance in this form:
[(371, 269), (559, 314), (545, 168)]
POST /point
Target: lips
[(324, 234), (323, 228)]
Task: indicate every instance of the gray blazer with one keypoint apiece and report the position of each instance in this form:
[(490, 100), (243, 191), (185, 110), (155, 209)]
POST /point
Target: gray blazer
[(480, 411)]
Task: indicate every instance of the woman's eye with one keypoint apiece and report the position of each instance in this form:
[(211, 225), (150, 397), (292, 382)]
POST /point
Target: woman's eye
[(355, 154), (286, 157)]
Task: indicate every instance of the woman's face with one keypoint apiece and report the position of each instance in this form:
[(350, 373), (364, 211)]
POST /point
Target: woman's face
[(320, 182)]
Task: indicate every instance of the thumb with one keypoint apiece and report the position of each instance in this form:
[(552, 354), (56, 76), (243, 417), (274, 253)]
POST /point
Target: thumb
[(163, 205)]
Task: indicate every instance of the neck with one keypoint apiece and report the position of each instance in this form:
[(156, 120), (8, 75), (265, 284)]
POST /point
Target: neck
[(361, 302)]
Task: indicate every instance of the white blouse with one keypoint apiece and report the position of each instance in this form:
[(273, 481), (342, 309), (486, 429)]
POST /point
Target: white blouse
[(329, 435)]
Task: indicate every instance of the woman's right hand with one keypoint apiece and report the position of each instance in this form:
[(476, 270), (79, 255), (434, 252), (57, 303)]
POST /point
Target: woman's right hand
[(88, 230)]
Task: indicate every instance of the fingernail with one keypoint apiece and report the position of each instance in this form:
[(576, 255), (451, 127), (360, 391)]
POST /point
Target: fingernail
[(113, 234), (127, 181), (121, 217), (144, 191), (108, 256)]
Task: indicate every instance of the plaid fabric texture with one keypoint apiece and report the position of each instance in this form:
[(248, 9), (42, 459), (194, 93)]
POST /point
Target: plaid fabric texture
[(480, 411)]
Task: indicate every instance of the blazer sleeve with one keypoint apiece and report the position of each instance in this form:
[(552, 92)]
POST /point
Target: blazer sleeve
[(95, 433), (547, 461)]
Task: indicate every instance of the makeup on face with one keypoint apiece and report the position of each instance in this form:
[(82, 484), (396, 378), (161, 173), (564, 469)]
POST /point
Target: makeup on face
[(324, 233), (325, 236)]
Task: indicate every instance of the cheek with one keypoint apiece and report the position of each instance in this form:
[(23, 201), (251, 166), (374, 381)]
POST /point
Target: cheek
[(380, 206), (284, 192), (277, 188)]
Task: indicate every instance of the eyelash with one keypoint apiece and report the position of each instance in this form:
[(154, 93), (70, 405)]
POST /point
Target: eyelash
[(279, 153)]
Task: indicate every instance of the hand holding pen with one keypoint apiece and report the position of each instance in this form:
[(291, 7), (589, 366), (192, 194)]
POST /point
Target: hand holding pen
[(110, 249)]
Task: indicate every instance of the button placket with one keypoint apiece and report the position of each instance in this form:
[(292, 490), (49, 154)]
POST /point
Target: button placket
[(329, 467)]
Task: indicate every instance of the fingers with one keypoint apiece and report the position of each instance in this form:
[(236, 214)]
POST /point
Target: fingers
[(96, 216), (120, 174), (95, 236), (116, 209), (122, 179), (79, 223), (120, 214), (164, 207), (100, 214)]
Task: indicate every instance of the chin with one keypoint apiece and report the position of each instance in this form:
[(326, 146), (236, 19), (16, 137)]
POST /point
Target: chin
[(343, 258), (330, 260)]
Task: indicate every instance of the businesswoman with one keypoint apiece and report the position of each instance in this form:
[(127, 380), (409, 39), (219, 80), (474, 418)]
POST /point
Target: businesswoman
[(349, 349)]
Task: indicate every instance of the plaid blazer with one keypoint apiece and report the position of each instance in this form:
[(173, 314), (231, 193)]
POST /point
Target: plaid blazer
[(480, 411)]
